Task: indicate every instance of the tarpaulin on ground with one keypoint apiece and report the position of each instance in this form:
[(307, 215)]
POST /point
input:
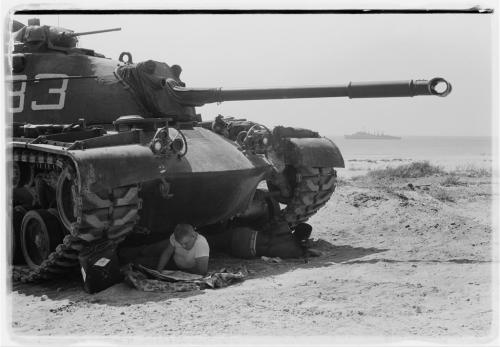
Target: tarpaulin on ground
[(149, 280)]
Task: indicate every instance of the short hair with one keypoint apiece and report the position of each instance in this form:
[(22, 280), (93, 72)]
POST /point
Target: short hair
[(181, 230)]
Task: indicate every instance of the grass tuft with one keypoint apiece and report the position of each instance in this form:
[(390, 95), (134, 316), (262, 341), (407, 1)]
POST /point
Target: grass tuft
[(475, 172), (452, 180), (443, 195), (412, 170), (341, 181)]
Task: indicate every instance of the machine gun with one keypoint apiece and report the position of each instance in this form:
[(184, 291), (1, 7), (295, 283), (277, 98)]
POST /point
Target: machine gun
[(70, 39), (92, 32)]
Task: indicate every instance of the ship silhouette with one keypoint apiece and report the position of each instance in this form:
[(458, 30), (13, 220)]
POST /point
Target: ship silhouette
[(363, 135)]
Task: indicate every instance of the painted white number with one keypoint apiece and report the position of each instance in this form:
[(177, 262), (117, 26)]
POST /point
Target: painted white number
[(61, 91), (12, 94)]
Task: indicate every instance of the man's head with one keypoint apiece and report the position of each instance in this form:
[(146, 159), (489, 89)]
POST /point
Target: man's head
[(185, 235)]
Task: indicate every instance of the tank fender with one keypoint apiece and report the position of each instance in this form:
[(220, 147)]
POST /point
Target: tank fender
[(282, 132), (116, 166), (312, 152)]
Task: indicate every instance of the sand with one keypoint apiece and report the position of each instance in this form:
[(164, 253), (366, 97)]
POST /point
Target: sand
[(396, 262)]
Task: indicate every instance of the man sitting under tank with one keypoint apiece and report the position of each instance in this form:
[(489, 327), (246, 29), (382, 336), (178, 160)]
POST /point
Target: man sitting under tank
[(188, 249), (185, 250)]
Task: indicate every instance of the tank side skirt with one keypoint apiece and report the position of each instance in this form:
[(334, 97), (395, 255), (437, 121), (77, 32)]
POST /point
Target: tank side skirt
[(99, 216)]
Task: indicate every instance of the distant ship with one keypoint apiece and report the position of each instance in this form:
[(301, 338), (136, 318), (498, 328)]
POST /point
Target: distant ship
[(363, 135)]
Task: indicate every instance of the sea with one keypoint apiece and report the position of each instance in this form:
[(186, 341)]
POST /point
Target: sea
[(449, 152)]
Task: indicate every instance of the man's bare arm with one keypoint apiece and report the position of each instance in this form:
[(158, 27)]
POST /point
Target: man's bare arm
[(165, 257), (200, 267)]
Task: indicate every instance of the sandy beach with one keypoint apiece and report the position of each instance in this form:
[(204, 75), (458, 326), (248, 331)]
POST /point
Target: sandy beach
[(402, 257)]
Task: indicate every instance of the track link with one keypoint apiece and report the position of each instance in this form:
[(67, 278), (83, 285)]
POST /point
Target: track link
[(313, 187), (87, 216)]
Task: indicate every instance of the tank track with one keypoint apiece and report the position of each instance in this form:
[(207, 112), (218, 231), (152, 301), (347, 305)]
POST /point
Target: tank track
[(313, 187), (104, 215)]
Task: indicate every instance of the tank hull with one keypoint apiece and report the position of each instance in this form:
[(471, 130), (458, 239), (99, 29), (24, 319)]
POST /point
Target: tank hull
[(103, 188), (201, 199), (214, 182)]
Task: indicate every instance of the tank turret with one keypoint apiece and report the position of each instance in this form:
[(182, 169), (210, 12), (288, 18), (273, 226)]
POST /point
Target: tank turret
[(36, 35)]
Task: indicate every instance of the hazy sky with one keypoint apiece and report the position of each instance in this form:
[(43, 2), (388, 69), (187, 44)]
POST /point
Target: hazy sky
[(309, 49)]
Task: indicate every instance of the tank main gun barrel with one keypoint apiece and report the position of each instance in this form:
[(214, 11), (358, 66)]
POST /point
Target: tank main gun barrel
[(197, 96), (93, 32)]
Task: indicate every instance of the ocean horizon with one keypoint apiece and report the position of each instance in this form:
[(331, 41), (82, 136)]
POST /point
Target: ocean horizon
[(448, 152)]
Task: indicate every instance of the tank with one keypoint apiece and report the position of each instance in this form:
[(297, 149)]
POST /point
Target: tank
[(114, 150)]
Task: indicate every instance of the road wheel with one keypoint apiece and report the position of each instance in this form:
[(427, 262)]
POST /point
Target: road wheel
[(17, 218), (41, 232)]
